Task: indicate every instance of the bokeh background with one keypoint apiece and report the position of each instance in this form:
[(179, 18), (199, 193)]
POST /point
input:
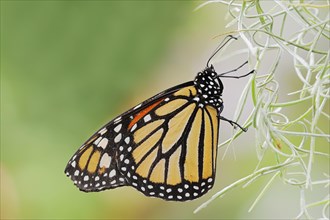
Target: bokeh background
[(68, 67)]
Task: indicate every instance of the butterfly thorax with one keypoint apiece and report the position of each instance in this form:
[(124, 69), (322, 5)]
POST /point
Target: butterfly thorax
[(209, 88)]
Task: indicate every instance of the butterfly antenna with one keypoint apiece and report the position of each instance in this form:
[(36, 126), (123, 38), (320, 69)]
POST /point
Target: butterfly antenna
[(222, 44)]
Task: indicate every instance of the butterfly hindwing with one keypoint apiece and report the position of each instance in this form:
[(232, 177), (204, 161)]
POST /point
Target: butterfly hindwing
[(173, 151)]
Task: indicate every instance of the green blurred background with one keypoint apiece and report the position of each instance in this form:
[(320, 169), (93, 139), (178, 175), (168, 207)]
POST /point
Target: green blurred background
[(68, 67)]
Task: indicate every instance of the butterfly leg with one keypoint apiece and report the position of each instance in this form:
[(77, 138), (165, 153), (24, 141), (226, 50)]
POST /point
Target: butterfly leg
[(234, 124), (236, 77)]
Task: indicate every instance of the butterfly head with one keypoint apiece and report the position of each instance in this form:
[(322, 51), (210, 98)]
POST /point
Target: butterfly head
[(209, 87)]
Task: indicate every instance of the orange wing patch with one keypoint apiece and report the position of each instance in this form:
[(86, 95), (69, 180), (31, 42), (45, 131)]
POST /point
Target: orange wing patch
[(93, 161), (191, 165), (176, 127), (215, 121), (141, 133), (144, 168), (208, 145), (170, 107), (174, 174), (145, 147), (142, 113), (84, 158), (101, 170), (188, 91), (158, 174)]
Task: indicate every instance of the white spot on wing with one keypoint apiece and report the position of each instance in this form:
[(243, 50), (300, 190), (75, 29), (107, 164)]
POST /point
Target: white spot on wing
[(112, 173), (76, 173), (117, 119), (103, 143), (97, 140), (196, 99), (138, 106), (118, 138), (105, 160), (117, 128), (134, 127), (102, 131), (147, 118)]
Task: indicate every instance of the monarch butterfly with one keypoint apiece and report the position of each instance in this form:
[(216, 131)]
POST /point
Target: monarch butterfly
[(165, 147)]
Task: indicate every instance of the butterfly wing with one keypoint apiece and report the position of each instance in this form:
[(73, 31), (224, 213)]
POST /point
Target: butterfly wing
[(165, 147)]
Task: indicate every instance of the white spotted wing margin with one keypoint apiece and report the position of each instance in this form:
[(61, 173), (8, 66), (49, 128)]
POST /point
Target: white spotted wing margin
[(96, 166), (93, 167)]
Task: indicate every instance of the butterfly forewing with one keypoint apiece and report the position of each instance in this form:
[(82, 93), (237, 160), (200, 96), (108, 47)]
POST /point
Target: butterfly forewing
[(95, 166)]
